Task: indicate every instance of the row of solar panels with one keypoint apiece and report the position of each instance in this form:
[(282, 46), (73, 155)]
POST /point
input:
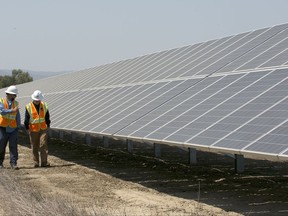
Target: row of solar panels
[(228, 95)]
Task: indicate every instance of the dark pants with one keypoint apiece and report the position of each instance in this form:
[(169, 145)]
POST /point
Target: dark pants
[(13, 147)]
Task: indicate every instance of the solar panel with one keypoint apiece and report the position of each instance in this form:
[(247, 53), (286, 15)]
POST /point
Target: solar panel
[(278, 60), (242, 47), (228, 94), (255, 57)]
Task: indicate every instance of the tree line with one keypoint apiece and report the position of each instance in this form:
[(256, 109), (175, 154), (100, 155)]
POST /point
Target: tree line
[(18, 77)]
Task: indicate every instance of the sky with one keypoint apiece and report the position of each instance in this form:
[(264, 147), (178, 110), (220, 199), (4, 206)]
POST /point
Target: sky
[(72, 35)]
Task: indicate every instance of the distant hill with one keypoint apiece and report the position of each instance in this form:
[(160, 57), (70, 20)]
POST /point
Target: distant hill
[(35, 74)]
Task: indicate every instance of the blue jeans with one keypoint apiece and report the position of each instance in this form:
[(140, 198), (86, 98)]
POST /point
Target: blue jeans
[(13, 147)]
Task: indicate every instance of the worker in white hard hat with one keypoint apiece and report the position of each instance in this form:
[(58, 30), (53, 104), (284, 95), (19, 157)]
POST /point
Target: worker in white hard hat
[(9, 124), (37, 121)]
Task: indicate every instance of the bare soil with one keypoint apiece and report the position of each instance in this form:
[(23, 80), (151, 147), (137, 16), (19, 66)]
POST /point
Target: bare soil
[(111, 181)]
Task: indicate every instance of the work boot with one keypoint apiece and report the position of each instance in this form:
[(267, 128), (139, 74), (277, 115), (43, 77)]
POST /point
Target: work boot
[(14, 167), (45, 164)]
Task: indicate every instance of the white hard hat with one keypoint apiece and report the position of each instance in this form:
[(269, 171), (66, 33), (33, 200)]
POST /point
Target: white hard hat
[(12, 90), (37, 95)]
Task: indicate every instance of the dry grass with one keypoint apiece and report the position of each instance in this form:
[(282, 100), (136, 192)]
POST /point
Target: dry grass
[(25, 200), (19, 199)]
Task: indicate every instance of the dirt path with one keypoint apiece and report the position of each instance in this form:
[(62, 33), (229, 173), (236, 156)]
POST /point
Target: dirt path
[(118, 183)]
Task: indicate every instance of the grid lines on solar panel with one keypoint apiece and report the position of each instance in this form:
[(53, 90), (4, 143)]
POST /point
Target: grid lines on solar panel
[(218, 60), (98, 105), (60, 111), (149, 73), (155, 116), (256, 60), (100, 116), (186, 105), (138, 68), (251, 41), (278, 60), (97, 78), (111, 72), (273, 137), (202, 56), (124, 67), (169, 72), (76, 110), (219, 104), (143, 104), (239, 63), (241, 135), (224, 55), (68, 114)]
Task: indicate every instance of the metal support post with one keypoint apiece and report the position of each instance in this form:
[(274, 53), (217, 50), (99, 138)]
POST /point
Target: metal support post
[(88, 139), (239, 163), (157, 150), (105, 142), (192, 156), (130, 146)]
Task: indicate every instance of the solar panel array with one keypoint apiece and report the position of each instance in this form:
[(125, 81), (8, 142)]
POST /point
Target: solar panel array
[(227, 95)]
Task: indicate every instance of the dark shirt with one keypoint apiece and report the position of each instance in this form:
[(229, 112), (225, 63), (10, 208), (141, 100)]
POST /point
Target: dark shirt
[(27, 117)]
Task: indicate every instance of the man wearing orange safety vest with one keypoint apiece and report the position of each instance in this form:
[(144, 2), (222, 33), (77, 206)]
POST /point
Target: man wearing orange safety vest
[(37, 121), (9, 124)]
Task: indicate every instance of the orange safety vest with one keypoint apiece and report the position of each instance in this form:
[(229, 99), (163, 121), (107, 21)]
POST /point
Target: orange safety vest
[(8, 119), (37, 121)]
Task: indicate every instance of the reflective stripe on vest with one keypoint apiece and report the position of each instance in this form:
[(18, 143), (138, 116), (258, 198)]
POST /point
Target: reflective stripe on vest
[(8, 119), (37, 121)]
